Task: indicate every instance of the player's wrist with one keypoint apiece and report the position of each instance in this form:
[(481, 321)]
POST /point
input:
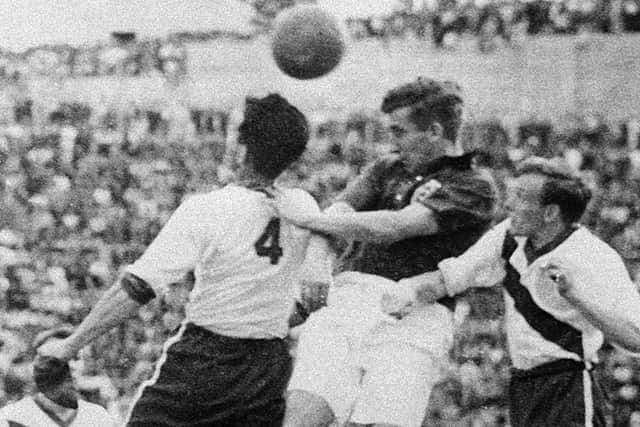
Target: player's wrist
[(408, 290), (429, 287)]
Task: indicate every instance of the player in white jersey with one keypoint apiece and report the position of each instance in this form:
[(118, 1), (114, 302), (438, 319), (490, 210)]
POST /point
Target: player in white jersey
[(56, 403), (229, 363), (565, 291)]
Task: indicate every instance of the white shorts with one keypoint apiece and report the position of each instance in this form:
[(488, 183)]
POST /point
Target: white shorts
[(368, 367)]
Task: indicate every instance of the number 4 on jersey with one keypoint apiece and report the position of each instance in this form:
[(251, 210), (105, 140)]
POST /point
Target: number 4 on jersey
[(269, 242)]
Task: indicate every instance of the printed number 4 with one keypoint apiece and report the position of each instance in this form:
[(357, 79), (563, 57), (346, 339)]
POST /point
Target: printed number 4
[(269, 242)]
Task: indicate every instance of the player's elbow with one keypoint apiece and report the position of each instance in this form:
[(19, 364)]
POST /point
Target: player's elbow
[(137, 289)]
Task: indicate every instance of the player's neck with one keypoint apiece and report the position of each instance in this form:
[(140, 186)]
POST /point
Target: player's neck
[(249, 179), (550, 234)]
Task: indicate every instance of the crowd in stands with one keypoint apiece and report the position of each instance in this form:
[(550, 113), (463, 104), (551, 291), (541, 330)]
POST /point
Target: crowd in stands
[(445, 21), (84, 193), (124, 55)]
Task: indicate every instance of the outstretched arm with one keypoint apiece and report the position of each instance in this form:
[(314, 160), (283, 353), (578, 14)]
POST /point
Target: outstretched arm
[(173, 253), (376, 226), (480, 266), (115, 306)]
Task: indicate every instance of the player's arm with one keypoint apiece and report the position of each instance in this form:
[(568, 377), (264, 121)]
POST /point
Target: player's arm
[(375, 226), (114, 307), (605, 295), (315, 271), (363, 191), (315, 279), (479, 266), (172, 254)]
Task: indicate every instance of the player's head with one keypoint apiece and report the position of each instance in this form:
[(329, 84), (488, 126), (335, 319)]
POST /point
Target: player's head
[(424, 112), (545, 194), (52, 376), (274, 132)]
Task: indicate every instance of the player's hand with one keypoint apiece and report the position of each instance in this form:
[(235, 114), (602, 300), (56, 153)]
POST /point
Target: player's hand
[(398, 299), (57, 348), (314, 294), (288, 207), (562, 277), (426, 190), (427, 288)]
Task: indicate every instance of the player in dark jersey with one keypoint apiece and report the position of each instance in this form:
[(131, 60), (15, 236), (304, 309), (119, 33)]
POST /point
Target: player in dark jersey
[(354, 361), (565, 291)]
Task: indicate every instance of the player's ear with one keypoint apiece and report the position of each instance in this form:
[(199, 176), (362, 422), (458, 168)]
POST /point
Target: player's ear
[(552, 213), (435, 130)]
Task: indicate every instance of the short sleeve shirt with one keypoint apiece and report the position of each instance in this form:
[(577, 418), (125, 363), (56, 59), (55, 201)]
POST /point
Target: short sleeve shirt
[(463, 199), (246, 260)]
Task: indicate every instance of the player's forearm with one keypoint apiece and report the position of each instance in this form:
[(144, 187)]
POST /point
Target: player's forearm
[(113, 308), (377, 226), (430, 287), (319, 251), (621, 328)]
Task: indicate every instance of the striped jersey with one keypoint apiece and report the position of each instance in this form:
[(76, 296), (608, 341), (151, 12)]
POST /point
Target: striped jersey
[(542, 326)]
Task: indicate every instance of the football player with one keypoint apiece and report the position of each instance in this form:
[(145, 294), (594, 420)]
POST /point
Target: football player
[(354, 362), (229, 363), (564, 288)]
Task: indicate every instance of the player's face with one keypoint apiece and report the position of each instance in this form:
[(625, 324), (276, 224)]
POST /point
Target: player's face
[(412, 142), (524, 205), (402, 130)]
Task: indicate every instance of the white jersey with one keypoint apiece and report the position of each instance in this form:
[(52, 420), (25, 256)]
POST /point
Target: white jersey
[(27, 413), (600, 276), (245, 259)]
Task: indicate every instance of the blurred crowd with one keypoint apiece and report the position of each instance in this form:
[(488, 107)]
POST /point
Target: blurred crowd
[(123, 55), (445, 22), (84, 192)]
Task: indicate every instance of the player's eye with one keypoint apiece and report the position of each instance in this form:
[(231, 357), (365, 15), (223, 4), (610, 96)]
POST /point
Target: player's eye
[(397, 131)]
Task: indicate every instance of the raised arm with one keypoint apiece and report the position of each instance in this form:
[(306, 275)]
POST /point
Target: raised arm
[(173, 253), (374, 226), (114, 307), (605, 295)]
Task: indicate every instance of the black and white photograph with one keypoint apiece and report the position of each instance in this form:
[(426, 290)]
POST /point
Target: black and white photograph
[(320, 213)]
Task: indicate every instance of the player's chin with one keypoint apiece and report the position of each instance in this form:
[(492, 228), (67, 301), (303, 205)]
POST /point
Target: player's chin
[(517, 229)]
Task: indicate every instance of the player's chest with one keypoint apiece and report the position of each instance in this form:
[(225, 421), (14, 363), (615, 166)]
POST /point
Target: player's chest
[(398, 190)]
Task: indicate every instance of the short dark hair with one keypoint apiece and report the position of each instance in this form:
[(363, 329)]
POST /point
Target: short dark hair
[(563, 186), (274, 132), (49, 372), (430, 101)]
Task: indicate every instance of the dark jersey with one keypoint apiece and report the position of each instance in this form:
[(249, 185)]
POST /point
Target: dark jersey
[(463, 202)]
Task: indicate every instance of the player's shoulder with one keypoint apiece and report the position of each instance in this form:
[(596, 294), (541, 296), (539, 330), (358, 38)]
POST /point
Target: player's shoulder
[(98, 415), (17, 409), (93, 408), (473, 177), (302, 197), (216, 197), (388, 162), (583, 244)]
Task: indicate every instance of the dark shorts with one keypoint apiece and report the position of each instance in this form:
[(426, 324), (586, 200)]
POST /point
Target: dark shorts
[(555, 394), (213, 380)]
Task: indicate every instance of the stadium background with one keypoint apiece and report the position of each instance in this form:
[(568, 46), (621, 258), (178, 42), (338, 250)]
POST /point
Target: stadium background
[(100, 140)]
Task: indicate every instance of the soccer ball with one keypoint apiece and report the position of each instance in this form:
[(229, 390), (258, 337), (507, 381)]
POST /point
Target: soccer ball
[(307, 42)]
